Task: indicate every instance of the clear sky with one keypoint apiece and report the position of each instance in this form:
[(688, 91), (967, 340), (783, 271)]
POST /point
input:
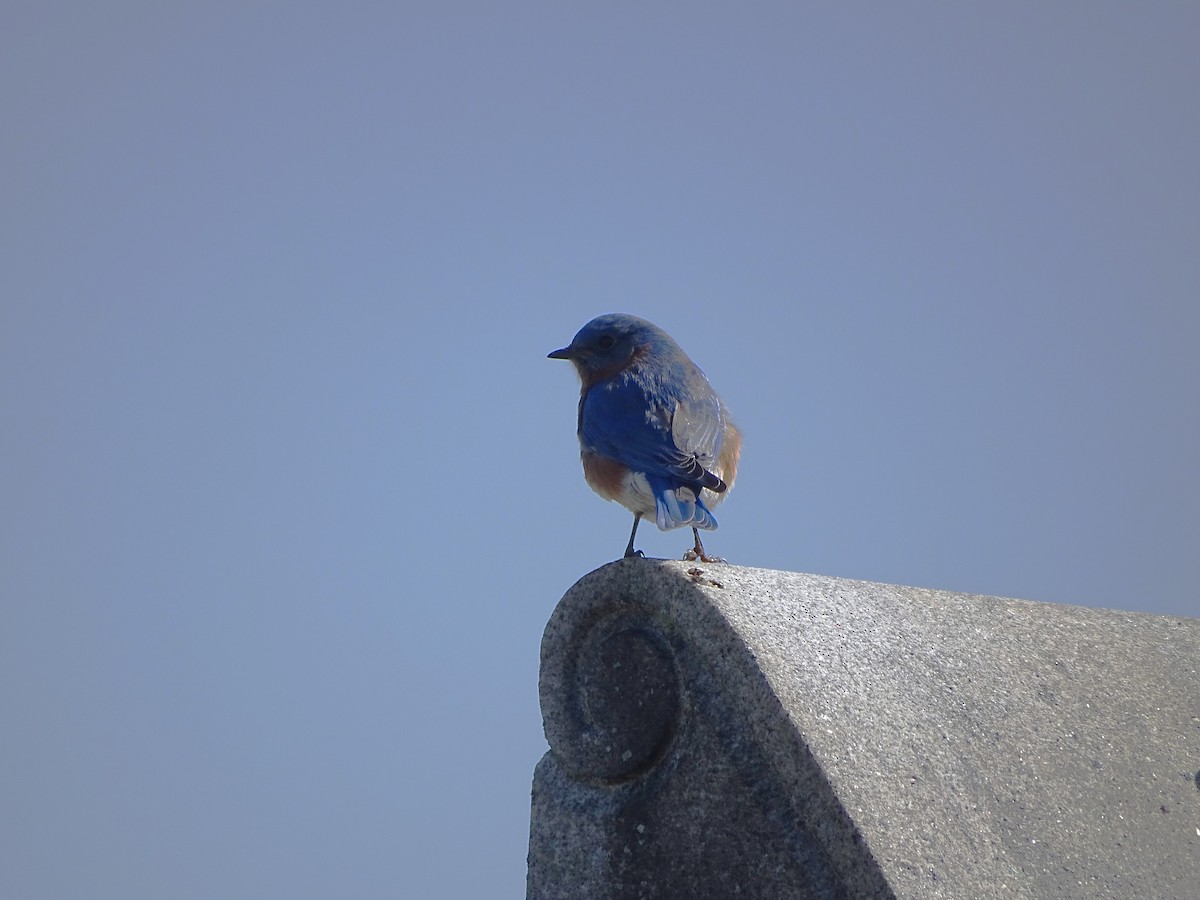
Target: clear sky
[(289, 488)]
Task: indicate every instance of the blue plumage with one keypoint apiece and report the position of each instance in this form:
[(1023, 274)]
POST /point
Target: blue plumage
[(653, 434)]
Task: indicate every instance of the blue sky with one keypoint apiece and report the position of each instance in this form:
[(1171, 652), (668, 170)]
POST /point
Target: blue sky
[(290, 489)]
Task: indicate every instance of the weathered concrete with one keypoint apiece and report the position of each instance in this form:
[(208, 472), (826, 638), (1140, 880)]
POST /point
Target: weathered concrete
[(718, 731)]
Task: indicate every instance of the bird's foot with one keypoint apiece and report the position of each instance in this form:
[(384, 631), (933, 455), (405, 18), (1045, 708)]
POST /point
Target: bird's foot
[(697, 552), (700, 556), (630, 553)]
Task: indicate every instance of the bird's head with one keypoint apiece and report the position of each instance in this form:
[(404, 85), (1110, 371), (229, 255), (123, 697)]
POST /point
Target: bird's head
[(608, 344)]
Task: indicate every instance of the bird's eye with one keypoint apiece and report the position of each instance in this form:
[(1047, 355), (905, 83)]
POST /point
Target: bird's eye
[(606, 341)]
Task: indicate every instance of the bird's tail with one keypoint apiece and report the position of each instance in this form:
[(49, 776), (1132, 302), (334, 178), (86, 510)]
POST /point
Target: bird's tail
[(676, 507)]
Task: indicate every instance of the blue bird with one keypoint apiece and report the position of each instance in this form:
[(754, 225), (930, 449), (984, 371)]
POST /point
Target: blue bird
[(653, 434)]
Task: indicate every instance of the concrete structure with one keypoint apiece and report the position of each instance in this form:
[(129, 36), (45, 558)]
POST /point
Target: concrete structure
[(718, 731)]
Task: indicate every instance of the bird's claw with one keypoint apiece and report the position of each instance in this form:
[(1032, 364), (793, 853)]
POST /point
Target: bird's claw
[(693, 556)]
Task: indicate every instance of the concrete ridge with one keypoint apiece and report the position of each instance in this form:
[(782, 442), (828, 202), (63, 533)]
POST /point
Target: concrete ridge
[(724, 731)]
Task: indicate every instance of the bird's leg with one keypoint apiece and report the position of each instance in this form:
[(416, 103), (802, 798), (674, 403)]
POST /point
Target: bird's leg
[(697, 552), (629, 551)]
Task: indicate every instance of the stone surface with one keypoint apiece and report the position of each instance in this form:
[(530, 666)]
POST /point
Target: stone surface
[(718, 731)]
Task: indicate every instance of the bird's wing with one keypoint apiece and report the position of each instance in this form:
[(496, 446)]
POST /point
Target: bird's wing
[(696, 429), (664, 436)]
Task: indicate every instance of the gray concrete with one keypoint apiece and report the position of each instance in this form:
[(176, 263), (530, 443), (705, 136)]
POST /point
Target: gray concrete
[(718, 731)]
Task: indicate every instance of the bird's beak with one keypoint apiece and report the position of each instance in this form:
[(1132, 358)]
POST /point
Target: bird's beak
[(564, 353)]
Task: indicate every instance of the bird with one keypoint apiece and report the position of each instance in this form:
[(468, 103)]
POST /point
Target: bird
[(653, 434)]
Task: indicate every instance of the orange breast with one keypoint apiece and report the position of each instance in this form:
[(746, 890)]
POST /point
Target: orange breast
[(606, 476), (731, 452)]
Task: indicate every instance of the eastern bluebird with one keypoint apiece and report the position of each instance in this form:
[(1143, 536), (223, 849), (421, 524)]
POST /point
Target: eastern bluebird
[(653, 434)]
